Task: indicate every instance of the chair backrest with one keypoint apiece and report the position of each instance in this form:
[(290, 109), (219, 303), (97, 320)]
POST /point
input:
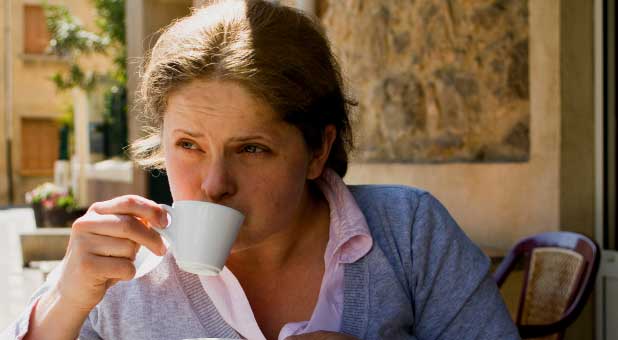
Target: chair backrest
[(559, 273)]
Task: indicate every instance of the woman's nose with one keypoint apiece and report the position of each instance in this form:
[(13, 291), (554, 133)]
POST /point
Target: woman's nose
[(217, 183)]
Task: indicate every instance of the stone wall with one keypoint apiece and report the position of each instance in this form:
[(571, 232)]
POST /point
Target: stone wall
[(436, 81)]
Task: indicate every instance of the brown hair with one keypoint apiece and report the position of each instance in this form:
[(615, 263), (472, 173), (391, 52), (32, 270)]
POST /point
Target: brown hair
[(278, 54)]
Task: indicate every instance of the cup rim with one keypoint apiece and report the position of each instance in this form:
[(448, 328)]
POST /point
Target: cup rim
[(195, 202)]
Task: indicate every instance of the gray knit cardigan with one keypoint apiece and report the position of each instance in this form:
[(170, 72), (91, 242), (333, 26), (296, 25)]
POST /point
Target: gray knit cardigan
[(423, 279)]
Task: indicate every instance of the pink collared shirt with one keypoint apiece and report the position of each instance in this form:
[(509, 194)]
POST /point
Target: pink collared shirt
[(349, 240)]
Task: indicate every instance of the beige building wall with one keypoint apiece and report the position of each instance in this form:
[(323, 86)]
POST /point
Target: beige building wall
[(577, 157), (3, 176), (147, 18), (33, 93)]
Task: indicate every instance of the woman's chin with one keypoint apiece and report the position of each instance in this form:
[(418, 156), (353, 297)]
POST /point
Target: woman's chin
[(247, 240), (243, 242)]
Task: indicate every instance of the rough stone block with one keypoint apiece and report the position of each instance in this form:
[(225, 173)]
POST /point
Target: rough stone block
[(436, 81)]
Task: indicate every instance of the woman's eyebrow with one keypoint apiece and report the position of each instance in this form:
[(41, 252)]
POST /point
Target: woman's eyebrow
[(190, 133), (248, 138), (238, 139)]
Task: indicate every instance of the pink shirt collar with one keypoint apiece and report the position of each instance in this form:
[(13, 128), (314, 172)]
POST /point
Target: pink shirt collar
[(349, 238)]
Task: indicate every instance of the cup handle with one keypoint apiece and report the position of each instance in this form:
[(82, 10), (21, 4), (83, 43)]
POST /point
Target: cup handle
[(165, 232)]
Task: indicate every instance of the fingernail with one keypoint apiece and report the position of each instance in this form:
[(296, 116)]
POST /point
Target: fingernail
[(163, 220)]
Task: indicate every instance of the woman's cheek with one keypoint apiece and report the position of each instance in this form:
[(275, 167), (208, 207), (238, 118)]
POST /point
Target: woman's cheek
[(183, 177)]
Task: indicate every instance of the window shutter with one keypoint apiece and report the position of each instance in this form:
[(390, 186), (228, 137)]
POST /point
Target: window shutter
[(39, 146), (36, 35)]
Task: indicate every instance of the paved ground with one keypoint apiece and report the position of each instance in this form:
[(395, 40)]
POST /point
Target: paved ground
[(16, 284)]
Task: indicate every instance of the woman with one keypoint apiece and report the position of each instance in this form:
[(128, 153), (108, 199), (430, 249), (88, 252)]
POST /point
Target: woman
[(247, 110)]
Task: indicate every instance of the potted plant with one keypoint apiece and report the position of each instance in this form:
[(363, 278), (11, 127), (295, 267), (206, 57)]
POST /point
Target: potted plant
[(53, 206)]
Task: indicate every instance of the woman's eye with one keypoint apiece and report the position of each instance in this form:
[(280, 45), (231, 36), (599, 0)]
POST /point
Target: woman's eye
[(187, 145), (252, 149)]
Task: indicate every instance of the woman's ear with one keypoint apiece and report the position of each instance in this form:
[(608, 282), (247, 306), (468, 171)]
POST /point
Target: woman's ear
[(320, 156)]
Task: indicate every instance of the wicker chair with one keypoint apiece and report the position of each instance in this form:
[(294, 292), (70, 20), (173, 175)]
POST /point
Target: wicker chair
[(559, 273)]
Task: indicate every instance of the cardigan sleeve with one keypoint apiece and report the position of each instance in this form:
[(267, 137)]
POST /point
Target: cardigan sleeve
[(455, 296), (19, 328)]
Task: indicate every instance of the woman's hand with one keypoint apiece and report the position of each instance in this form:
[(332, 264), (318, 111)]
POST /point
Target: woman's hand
[(321, 335), (103, 246), (101, 251)]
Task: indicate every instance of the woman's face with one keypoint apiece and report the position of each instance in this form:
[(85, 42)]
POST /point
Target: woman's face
[(222, 145)]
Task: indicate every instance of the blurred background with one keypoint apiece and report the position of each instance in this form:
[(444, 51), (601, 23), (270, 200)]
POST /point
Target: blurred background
[(503, 109)]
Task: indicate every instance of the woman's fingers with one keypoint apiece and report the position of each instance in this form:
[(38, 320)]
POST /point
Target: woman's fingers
[(133, 205), (106, 268), (102, 245), (123, 227)]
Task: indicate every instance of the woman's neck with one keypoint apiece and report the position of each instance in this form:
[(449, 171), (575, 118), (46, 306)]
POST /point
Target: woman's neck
[(305, 238)]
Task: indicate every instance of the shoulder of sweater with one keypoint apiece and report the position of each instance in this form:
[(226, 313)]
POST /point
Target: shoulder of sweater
[(389, 202), (385, 194), (401, 212), (391, 211)]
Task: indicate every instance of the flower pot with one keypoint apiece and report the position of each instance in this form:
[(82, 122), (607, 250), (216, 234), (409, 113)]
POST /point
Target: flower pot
[(60, 218), (38, 214)]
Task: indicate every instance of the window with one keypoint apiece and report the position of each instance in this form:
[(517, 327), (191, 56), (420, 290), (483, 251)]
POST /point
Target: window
[(39, 146), (36, 35)]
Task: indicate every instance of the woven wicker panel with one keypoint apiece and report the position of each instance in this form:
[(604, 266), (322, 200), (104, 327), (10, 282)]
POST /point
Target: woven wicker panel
[(552, 279)]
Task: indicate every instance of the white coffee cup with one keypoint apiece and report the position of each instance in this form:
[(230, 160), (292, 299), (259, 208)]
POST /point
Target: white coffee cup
[(201, 234)]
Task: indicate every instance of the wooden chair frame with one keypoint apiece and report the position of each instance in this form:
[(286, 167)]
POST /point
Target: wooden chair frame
[(585, 282)]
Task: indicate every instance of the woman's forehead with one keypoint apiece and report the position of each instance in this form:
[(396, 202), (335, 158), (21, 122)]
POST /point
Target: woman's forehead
[(213, 99), (221, 108)]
